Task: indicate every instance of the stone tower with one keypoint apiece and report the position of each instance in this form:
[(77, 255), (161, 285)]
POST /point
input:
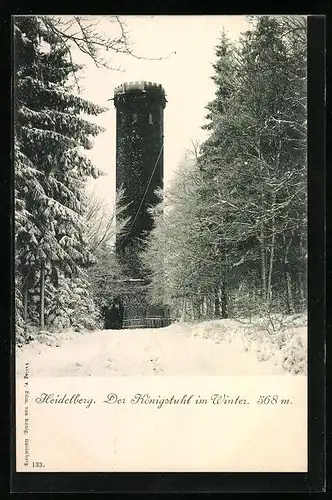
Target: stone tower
[(139, 161)]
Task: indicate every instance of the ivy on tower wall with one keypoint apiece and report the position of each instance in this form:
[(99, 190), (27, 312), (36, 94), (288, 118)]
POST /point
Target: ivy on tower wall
[(139, 163)]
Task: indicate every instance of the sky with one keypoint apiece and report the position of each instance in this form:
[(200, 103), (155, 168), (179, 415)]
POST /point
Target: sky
[(186, 44)]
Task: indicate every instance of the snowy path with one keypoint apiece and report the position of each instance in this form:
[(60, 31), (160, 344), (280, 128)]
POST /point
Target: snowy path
[(166, 351)]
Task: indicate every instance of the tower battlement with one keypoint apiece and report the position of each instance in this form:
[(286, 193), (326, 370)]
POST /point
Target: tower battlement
[(142, 86), (139, 91)]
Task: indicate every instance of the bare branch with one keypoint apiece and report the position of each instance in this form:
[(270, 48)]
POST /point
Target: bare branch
[(103, 223)]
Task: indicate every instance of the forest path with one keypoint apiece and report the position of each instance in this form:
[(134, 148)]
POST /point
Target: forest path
[(174, 350)]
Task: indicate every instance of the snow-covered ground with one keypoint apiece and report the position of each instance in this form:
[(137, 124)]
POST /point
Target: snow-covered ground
[(224, 347)]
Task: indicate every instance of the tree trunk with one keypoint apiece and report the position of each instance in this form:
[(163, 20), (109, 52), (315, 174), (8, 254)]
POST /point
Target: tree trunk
[(201, 307), (302, 289), (25, 300), (209, 311), (184, 310), (262, 228), (224, 308), (263, 262), (305, 280), (289, 293), (288, 280), (269, 281), (42, 295), (196, 308), (216, 303)]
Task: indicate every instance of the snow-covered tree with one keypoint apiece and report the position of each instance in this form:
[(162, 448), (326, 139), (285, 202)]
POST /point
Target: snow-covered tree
[(51, 168), (233, 235)]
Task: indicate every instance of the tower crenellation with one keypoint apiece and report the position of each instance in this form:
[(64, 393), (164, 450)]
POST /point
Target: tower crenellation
[(140, 85)]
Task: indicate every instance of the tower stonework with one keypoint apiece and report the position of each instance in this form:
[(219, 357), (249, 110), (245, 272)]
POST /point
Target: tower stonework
[(139, 162)]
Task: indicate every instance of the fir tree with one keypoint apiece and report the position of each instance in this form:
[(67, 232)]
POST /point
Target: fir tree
[(223, 77), (50, 166)]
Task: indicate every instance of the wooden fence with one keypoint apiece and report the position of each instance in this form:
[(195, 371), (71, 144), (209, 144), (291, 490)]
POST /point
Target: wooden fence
[(157, 322)]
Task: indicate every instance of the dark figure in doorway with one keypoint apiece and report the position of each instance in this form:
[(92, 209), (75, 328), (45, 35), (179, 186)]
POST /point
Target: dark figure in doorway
[(114, 315)]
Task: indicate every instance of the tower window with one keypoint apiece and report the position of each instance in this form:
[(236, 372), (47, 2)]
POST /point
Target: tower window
[(150, 119)]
